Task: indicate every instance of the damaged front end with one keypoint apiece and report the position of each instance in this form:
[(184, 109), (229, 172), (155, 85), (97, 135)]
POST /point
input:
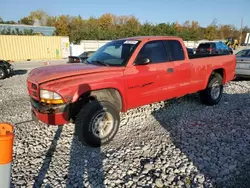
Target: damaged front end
[(51, 114)]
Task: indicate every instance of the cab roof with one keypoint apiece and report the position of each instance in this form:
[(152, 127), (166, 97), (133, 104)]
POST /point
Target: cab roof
[(141, 38)]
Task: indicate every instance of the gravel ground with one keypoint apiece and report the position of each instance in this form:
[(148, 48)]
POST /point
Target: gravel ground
[(179, 143)]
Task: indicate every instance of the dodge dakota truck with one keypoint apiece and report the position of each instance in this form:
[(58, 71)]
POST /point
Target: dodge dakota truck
[(121, 75)]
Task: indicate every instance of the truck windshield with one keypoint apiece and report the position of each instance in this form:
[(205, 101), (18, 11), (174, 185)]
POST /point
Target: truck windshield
[(114, 53)]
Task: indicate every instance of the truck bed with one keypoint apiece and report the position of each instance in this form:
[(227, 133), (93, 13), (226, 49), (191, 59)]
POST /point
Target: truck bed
[(201, 69)]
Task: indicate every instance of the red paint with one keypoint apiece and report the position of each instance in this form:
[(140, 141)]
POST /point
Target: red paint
[(189, 76), (52, 119)]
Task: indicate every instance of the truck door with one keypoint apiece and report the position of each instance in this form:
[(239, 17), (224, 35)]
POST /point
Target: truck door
[(145, 83), (182, 68)]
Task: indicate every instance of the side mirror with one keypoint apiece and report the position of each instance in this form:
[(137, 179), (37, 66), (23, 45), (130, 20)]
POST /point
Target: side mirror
[(142, 61)]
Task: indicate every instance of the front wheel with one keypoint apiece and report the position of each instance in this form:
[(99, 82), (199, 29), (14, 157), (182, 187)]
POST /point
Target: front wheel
[(214, 90), (97, 123), (3, 73)]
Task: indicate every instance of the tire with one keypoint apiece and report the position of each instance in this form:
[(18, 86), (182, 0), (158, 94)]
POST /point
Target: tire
[(3, 73), (85, 123), (206, 96)]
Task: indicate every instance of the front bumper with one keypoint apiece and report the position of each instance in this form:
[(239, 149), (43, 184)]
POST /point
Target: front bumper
[(49, 114)]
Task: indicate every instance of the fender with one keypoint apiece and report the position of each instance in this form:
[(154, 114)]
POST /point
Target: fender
[(217, 70), (90, 88)]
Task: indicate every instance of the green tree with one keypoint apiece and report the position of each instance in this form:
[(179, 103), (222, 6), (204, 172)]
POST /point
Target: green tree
[(26, 21), (51, 20), (76, 29), (109, 27), (8, 22), (146, 29), (210, 33), (62, 25), (91, 30), (195, 31)]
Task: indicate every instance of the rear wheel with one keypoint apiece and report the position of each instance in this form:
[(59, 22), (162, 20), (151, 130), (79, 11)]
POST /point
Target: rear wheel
[(214, 90), (3, 73), (97, 123)]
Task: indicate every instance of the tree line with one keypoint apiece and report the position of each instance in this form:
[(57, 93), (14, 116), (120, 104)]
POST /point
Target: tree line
[(110, 27)]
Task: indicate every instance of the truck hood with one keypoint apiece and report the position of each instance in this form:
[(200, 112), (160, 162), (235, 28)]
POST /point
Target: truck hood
[(54, 72)]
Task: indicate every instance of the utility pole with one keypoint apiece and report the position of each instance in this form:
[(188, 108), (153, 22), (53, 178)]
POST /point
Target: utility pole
[(241, 28)]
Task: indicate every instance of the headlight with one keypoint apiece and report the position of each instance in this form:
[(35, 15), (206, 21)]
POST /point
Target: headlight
[(50, 97)]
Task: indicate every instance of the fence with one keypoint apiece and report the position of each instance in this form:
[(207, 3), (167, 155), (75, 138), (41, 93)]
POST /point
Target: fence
[(92, 45), (14, 47), (86, 45)]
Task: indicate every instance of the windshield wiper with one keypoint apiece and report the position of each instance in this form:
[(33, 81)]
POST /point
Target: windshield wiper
[(101, 63)]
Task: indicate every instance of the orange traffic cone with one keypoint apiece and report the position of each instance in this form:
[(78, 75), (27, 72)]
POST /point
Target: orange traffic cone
[(6, 154)]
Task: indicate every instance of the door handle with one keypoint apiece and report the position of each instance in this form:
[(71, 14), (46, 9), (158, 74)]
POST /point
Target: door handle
[(170, 70)]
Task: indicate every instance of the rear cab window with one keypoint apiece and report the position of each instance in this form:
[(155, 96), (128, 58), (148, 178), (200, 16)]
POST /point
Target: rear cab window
[(174, 49), (155, 51)]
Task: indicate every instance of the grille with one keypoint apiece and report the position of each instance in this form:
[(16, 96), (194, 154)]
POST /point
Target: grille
[(34, 86), (33, 90)]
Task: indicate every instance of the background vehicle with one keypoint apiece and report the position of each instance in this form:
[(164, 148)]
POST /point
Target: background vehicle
[(81, 58), (243, 63), (190, 51), (213, 48), (5, 69), (121, 75)]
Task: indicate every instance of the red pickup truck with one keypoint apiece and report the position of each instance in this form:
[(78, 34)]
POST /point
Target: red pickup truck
[(121, 75)]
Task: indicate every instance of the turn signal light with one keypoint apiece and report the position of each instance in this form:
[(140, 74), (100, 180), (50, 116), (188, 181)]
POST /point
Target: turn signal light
[(52, 101)]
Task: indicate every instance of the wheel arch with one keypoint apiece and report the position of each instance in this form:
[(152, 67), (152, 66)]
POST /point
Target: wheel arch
[(220, 71), (112, 95), (205, 94), (107, 94)]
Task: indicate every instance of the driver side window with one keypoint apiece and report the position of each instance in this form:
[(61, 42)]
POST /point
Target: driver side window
[(155, 51)]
